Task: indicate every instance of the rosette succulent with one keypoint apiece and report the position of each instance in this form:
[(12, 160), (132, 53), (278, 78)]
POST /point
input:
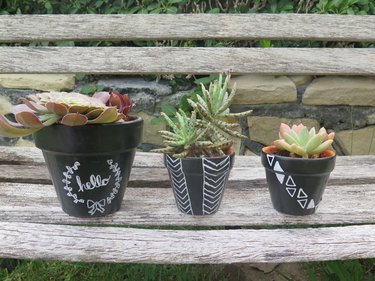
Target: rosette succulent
[(207, 131), (71, 109), (298, 140)]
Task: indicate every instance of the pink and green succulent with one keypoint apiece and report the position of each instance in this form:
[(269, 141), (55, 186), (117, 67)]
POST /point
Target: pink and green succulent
[(71, 109), (298, 140)]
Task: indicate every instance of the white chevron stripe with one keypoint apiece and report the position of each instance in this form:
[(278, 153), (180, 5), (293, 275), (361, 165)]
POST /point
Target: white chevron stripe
[(178, 181), (213, 164), (215, 171), (213, 202), (207, 210), (215, 186), (212, 192), (213, 197), (214, 178), (221, 178)]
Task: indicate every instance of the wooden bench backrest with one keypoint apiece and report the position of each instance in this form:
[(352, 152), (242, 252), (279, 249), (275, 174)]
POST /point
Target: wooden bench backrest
[(33, 225), (146, 60)]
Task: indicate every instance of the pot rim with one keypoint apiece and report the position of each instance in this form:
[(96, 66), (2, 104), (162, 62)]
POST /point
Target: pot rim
[(271, 149), (195, 158)]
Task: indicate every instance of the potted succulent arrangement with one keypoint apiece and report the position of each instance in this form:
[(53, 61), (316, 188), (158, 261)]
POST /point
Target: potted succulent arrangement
[(198, 149), (297, 167), (88, 144)]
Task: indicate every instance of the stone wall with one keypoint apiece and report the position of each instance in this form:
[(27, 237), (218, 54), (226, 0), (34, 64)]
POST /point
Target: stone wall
[(343, 104)]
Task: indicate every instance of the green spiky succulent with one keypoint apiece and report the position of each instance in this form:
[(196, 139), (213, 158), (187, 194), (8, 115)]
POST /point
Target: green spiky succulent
[(208, 135), (71, 109), (298, 140)]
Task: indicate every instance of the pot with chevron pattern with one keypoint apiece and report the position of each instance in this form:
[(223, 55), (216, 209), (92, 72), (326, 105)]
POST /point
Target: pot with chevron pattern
[(198, 152), (298, 166), (198, 183)]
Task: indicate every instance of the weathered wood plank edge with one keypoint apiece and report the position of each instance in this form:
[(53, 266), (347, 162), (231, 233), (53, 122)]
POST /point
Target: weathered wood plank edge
[(130, 245), (247, 206), (157, 177), (33, 156), (184, 60), (26, 28)]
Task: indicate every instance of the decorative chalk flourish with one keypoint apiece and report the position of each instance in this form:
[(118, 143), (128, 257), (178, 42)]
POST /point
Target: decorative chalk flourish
[(95, 181)]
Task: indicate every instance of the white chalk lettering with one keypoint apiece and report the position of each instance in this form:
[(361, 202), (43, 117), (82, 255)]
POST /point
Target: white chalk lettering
[(95, 182)]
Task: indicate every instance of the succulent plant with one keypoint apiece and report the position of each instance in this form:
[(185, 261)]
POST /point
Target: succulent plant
[(71, 109), (298, 140), (209, 134)]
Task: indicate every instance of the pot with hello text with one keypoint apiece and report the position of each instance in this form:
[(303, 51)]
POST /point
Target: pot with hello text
[(90, 165)]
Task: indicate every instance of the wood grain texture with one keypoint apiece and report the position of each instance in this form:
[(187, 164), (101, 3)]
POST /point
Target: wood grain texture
[(123, 245), (247, 206), (26, 28), (33, 225), (26, 165), (146, 60)]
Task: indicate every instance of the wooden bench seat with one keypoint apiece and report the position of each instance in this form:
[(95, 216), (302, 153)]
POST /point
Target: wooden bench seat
[(149, 228)]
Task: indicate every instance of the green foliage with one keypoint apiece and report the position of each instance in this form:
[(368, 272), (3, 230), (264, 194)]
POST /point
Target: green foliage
[(361, 7), (350, 7), (69, 271), (184, 6), (90, 88), (167, 109), (351, 270)]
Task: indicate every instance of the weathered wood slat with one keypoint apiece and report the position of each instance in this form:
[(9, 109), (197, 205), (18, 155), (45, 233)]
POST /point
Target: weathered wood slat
[(124, 60), (26, 28), (247, 206), (99, 244)]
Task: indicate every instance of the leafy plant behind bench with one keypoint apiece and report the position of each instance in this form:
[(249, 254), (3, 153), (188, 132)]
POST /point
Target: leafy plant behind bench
[(184, 6)]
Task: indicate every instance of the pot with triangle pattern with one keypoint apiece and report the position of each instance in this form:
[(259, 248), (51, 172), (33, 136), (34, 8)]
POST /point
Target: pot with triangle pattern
[(296, 185), (198, 183)]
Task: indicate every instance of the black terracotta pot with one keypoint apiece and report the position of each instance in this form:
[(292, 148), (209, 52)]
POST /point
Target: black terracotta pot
[(198, 183), (90, 165), (296, 185)]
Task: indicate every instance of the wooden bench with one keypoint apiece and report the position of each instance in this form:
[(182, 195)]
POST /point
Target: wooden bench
[(149, 228)]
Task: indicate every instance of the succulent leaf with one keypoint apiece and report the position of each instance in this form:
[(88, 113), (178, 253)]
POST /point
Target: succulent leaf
[(299, 140), (29, 120), (74, 119), (109, 115), (206, 132), (57, 108), (72, 109), (10, 131)]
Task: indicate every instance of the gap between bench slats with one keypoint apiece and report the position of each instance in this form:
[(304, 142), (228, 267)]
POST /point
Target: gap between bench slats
[(98, 244), (26, 28), (146, 60)]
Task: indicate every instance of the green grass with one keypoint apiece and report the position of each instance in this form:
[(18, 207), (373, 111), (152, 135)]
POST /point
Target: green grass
[(352, 270), (69, 271)]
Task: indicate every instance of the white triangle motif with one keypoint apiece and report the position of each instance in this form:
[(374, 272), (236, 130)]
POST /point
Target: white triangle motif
[(278, 167), (301, 194), (302, 202), (311, 204), (280, 177), (291, 191), (290, 181), (270, 159)]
